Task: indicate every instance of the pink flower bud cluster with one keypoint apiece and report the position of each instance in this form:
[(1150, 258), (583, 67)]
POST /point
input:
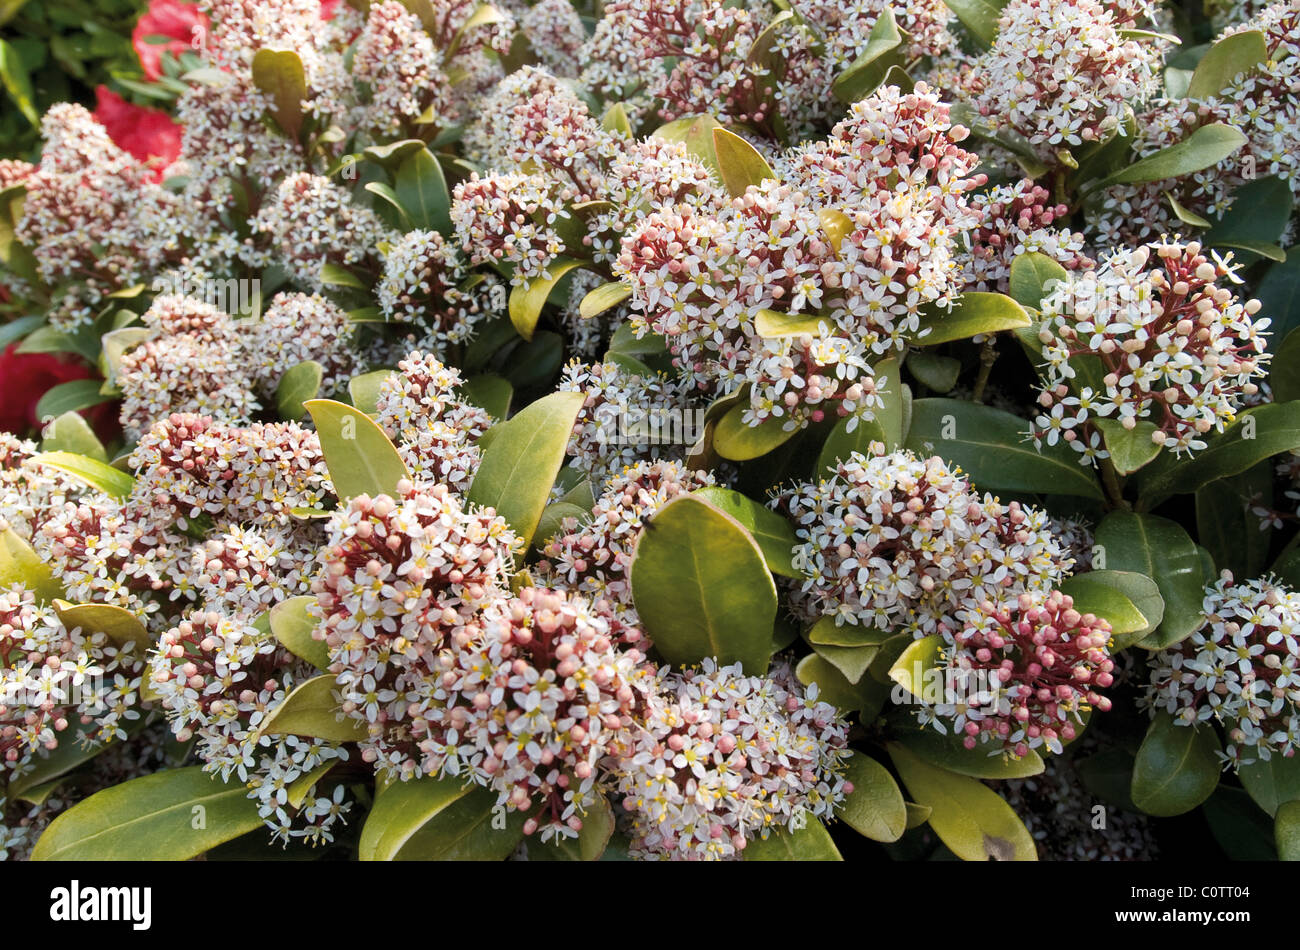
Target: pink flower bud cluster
[(905, 544), (1019, 219), (29, 493), (296, 328), (402, 579), (555, 33), (435, 430), (1241, 669), (397, 60), (58, 686), (1040, 664), (592, 556), (1178, 352), (534, 704), (219, 679), (717, 758), (862, 233)]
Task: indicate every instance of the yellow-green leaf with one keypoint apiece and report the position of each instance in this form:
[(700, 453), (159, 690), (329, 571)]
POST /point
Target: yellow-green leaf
[(312, 709), (360, 458)]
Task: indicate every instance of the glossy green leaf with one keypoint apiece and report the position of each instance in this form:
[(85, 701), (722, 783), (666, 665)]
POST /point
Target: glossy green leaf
[(1176, 769), (298, 384), (493, 393), (390, 156), (967, 815), (122, 627), (774, 534), (1256, 221), (520, 464), (980, 17), (552, 521), (883, 50), (1163, 551), (826, 632), (1235, 55), (889, 426), (773, 324), (875, 808), (1092, 596), (702, 588), (812, 842), (850, 662), (593, 837), (527, 300), (69, 397), (615, 120), (974, 312), (990, 447), (312, 709), (1227, 527), (1273, 783), (1141, 591), (433, 819), (172, 815), (1130, 449), (935, 372), (915, 669), (1208, 145), (1287, 832), (19, 564), (293, 625), (421, 187), (96, 474), (17, 82), (983, 761), (332, 275), (279, 73), (739, 163), (363, 390), (733, 439), (605, 297), (360, 458), (696, 132), (71, 433)]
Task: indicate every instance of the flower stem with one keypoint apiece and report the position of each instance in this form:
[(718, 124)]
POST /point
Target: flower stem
[(988, 356), (1110, 479)]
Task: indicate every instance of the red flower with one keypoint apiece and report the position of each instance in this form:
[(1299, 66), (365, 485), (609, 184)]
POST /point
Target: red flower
[(26, 377), (171, 18), (328, 8), (145, 133)]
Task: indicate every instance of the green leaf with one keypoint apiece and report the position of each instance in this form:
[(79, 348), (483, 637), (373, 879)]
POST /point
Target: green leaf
[(1208, 145), (696, 131), (71, 433), (864, 695), (1238, 827), (392, 155), (1256, 221), (1176, 769), (980, 17), (881, 52), (121, 626), (527, 300), (312, 709), (875, 808), (1279, 292), (280, 74), (1092, 596), (889, 426), (17, 83), (1232, 56), (773, 324), (19, 564), (810, 843), (1273, 783), (69, 397), (360, 459), (733, 439), (597, 828), (298, 384), (293, 626), (363, 390), (615, 120), (1139, 589), (1130, 449), (604, 297), (774, 534), (989, 446), (421, 188), (968, 816), (826, 632), (1225, 524), (1164, 552), (947, 752), (739, 162), (974, 312), (520, 464), (332, 275), (1184, 215), (938, 373), (552, 521), (155, 818), (917, 664), (1257, 434), (701, 587), (96, 474), (431, 819), (489, 392), (1287, 832)]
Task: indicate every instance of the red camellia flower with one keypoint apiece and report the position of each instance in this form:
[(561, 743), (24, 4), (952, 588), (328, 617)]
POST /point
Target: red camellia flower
[(25, 378), (145, 133), (173, 19)]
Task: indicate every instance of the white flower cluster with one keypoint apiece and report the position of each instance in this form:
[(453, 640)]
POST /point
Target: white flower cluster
[(1241, 669), (435, 430), (296, 328), (718, 758), (902, 543), (1179, 353), (396, 58), (1018, 219), (219, 679), (30, 494), (58, 686)]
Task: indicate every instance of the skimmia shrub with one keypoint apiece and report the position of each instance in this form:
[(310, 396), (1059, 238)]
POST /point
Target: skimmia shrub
[(659, 429)]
